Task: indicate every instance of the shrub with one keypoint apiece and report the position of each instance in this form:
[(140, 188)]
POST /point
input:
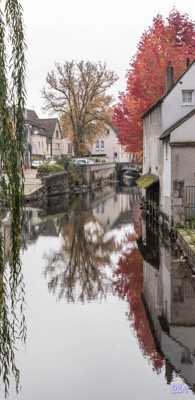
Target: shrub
[(74, 176), (47, 168), (65, 161)]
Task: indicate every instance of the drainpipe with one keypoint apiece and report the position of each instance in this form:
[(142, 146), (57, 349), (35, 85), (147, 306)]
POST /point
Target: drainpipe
[(169, 77)]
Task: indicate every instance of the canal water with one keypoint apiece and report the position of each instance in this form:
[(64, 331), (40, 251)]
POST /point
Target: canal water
[(108, 307)]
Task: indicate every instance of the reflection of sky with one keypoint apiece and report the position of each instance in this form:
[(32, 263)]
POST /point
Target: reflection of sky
[(120, 237), (87, 351), (80, 352)]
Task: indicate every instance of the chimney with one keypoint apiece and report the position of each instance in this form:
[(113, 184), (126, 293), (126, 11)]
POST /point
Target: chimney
[(187, 62), (169, 77)]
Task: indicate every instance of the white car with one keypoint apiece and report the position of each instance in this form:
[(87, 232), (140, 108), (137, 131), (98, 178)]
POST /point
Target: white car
[(36, 163), (82, 161)]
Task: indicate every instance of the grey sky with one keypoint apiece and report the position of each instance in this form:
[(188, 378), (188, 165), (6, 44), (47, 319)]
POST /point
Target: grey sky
[(101, 30)]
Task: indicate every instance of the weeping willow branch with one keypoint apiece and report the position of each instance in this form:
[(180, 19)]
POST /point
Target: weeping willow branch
[(12, 148)]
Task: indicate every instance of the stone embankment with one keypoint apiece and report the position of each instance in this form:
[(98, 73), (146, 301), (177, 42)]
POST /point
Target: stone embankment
[(92, 177), (186, 241)]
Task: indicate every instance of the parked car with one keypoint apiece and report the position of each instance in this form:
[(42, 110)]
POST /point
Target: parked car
[(82, 161), (36, 163)]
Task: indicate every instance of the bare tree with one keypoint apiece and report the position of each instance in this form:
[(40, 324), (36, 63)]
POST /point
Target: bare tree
[(76, 272), (78, 92)]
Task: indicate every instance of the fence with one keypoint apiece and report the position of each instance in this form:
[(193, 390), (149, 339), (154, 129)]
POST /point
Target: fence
[(189, 203)]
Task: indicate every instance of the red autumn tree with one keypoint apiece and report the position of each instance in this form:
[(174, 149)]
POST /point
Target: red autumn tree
[(129, 285), (167, 40)]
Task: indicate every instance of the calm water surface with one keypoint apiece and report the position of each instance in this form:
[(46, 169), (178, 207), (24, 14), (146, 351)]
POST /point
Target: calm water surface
[(110, 311)]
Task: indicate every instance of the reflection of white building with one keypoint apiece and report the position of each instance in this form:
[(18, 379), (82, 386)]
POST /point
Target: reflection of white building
[(114, 210), (169, 293)]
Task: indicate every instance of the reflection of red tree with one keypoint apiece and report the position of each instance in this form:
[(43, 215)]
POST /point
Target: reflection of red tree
[(130, 285)]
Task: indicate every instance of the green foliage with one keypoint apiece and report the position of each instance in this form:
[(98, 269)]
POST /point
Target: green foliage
[(12, 145), (47, 168), (74, 175), (65, 161)]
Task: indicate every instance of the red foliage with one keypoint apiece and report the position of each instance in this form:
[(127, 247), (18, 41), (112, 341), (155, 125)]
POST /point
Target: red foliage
[(166, 40), (130, 285)]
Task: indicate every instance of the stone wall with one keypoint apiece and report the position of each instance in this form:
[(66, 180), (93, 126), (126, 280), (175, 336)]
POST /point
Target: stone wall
[(56, 183), (93, 177), (98, 173)]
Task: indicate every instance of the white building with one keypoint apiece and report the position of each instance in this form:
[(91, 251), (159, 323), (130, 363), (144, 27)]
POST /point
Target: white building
[(169, 145), (44, 137), (107, 145)]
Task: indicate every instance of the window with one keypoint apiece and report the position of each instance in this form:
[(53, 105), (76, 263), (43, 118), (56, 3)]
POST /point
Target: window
[(69, 148), (102, 144), (187, 97), (97, 145)]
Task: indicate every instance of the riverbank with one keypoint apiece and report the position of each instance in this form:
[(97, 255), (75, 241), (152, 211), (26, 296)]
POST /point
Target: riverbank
[(186, 240), (183, 235), (82, 179)]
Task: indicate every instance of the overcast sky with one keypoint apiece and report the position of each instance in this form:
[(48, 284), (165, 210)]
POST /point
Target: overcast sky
[(102, 30)]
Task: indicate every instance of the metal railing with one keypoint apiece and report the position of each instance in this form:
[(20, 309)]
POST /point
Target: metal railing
[(189, 203)]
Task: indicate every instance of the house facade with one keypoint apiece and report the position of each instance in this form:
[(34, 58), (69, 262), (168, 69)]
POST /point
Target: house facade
[(44, 137), (54, 137), (169, 146), (107, 145)]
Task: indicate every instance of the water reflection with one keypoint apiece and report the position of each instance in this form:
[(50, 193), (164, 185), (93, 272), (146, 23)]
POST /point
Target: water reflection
[(78, 271), (12, 293), (129, 286), (168, 294), (104, 250)]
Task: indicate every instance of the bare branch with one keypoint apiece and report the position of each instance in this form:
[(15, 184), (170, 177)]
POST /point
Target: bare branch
[(78, 92)]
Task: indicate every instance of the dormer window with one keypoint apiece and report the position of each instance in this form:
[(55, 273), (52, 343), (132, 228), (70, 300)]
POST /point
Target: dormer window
[(187, 97)]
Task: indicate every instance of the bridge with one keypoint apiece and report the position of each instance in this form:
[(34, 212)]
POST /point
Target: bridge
[(122, 167)]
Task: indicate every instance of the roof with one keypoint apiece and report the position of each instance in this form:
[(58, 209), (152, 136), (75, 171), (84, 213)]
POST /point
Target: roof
[(161, 99), (31, 115), (168, 131), (147, 180), (32, 119), (46, 125), (49, 124)]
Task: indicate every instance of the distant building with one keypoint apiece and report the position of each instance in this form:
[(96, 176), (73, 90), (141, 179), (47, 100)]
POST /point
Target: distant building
[(107, 145), (54, 138), (44, 137)]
